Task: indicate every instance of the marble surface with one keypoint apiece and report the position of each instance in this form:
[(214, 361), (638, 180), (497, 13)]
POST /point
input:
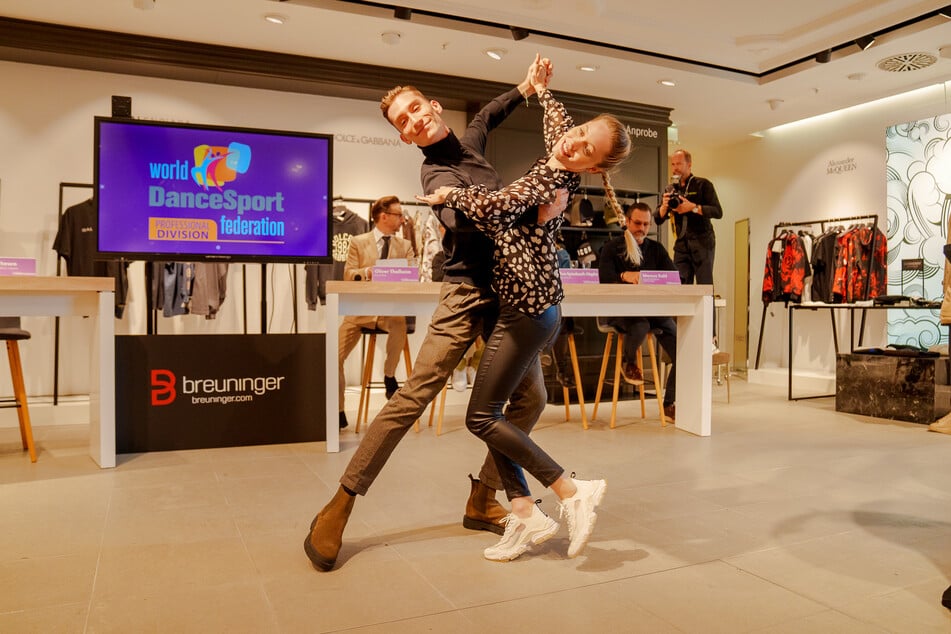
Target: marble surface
[(897, 388)]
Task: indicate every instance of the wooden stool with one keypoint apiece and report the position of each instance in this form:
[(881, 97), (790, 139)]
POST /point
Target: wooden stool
[(11, 332), (721, 359), (363, 409), (573, 353), (649, 342)]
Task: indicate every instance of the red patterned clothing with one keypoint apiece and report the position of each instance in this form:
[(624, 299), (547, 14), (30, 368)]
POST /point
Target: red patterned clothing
[(787, 268), (862, 259)]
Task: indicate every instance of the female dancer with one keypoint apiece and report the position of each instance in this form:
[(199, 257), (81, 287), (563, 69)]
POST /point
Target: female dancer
[(530, 292)]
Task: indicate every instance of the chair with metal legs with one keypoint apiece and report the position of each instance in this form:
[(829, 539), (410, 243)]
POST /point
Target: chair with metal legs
[(11, 332)]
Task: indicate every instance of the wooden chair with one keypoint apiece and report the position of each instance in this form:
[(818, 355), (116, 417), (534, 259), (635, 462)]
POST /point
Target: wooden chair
[(11, 332), (611, 332), (369, 337)]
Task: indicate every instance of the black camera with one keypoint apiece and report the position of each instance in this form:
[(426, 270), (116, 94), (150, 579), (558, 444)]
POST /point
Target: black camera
[(675, 200)]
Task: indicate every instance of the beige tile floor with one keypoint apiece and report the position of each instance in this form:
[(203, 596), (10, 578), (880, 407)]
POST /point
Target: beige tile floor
[(790, 518)]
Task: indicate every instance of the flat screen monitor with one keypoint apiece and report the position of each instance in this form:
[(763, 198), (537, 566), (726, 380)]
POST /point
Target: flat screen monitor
[(183, 192)]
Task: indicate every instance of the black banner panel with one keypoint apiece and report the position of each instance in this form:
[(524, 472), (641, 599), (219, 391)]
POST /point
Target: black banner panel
[(200, 391)]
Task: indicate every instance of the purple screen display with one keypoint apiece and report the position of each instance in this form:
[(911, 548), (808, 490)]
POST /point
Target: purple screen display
[(214, 192)]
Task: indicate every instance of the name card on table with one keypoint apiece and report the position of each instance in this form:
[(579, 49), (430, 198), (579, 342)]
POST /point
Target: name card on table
[(579, 276), (17, 266), (395, 274), (660, 277)]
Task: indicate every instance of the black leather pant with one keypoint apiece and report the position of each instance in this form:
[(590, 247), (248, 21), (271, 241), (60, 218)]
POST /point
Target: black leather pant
[(510, 352)]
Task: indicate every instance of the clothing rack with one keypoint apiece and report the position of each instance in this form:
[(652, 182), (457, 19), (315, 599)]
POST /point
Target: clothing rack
[(823, 224), (59, 264)]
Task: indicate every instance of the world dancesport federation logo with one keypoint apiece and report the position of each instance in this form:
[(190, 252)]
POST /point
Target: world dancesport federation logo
[(216, 165)]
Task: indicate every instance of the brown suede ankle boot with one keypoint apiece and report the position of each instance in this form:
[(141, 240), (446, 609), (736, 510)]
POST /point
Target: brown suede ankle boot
[(326, 531), (483, 512)]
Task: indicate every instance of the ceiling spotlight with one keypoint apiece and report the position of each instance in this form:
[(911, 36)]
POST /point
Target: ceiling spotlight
[(391, 37), (275, 18), (495, 53), (518, 33), (864, 42), (402, 13), (144, 5), (670, 83), (823, 57), (855, 76), (945, 12), (587, 68)]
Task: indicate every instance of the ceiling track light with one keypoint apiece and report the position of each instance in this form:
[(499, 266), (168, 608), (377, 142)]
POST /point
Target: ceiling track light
[(519, 33), (865, 42), (402, 13), (945, 12), (823, 57)]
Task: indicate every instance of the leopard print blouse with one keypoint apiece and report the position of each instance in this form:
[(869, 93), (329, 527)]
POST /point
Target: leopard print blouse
[(526, 268)]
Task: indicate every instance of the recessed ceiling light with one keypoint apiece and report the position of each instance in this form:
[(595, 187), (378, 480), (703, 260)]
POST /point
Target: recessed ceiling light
[(275, 18), (495, 53), (670, 83), (588, 68)]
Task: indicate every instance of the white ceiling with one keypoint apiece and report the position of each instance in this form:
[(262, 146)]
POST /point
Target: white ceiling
[(726, 50)]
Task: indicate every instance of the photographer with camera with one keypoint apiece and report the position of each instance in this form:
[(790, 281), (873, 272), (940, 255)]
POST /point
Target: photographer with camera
[(691, 202)]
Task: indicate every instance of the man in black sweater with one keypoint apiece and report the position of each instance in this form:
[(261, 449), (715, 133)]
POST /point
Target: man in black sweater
[(467, 308), (621, 261)]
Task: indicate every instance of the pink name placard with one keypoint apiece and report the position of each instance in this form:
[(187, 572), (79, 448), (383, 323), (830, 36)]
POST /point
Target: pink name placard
[(17, 266), (660, 277), (579, 276), (395, 274)]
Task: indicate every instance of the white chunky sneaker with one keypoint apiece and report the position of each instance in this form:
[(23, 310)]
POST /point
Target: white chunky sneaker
[(579, 510), (520, 534)]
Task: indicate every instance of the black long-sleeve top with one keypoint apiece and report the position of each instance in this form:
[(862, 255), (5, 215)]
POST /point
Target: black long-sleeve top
[(458, 162), (699, 191)]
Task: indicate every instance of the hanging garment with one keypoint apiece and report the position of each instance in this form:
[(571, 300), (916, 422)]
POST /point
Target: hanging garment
[(346, 224), (861, 271), (787, 267), (76, 242), (824, 252)]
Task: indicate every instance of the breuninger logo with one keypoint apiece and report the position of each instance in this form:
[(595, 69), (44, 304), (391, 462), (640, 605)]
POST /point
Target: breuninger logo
[(222, 391)]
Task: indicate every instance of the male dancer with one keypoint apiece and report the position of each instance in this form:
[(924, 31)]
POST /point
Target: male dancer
[(467, 308)]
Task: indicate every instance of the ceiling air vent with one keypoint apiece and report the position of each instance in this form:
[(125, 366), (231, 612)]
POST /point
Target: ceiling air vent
[(907, 62)]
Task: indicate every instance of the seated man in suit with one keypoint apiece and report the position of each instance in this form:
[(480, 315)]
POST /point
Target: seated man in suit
[(622, 259), (379, 243)]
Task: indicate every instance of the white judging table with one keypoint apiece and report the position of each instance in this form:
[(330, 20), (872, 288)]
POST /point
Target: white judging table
[(691, 305), (31, 296)]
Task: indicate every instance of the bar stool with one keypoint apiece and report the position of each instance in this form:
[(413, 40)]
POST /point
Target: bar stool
[(611, 331), (369, 337), (576, 369), (11, 332), (721, 359)]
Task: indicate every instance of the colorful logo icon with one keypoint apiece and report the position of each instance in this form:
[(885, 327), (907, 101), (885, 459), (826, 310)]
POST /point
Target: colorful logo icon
[(216, 165)]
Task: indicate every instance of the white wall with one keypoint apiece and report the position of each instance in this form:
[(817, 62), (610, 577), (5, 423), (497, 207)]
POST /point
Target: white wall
[(782, 177), (46, 124)]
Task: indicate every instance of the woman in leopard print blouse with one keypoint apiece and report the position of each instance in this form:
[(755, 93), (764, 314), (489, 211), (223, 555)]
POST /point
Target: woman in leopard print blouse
[(530, 292)]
